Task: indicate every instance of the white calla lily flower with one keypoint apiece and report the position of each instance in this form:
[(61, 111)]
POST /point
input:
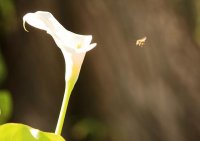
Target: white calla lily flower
[(73, 47)]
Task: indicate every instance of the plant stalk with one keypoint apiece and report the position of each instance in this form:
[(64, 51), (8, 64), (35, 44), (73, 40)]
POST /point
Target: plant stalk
[(64, 106)]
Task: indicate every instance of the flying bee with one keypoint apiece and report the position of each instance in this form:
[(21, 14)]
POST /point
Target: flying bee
[(141, 42)]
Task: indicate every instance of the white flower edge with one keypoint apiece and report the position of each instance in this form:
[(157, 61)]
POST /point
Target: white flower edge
[(64, 39), (73, 46)]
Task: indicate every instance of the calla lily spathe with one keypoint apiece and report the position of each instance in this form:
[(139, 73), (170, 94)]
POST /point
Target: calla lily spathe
[(73, 47)]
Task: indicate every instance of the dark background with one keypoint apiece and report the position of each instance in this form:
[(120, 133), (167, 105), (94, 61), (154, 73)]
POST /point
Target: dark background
[(124, 92)]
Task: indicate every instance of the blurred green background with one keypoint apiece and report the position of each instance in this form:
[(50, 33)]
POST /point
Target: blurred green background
[(124, 92)]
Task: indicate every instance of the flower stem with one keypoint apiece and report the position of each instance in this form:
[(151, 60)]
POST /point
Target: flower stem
[(63, 110)]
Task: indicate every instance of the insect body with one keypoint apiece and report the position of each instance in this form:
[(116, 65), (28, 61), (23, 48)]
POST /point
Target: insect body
[(141, 42)]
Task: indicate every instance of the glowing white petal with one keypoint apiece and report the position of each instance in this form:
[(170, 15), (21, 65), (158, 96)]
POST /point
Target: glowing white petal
[(63, 38), (73, 46)]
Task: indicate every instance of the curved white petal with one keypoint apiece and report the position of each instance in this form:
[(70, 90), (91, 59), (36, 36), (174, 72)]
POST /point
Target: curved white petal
[(63, 38), (73, 46)]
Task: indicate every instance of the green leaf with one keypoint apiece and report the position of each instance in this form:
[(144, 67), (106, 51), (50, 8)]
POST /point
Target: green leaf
[(21, 132), (5, 106)]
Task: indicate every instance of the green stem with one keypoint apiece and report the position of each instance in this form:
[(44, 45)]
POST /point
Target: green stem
[(63, 110)]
